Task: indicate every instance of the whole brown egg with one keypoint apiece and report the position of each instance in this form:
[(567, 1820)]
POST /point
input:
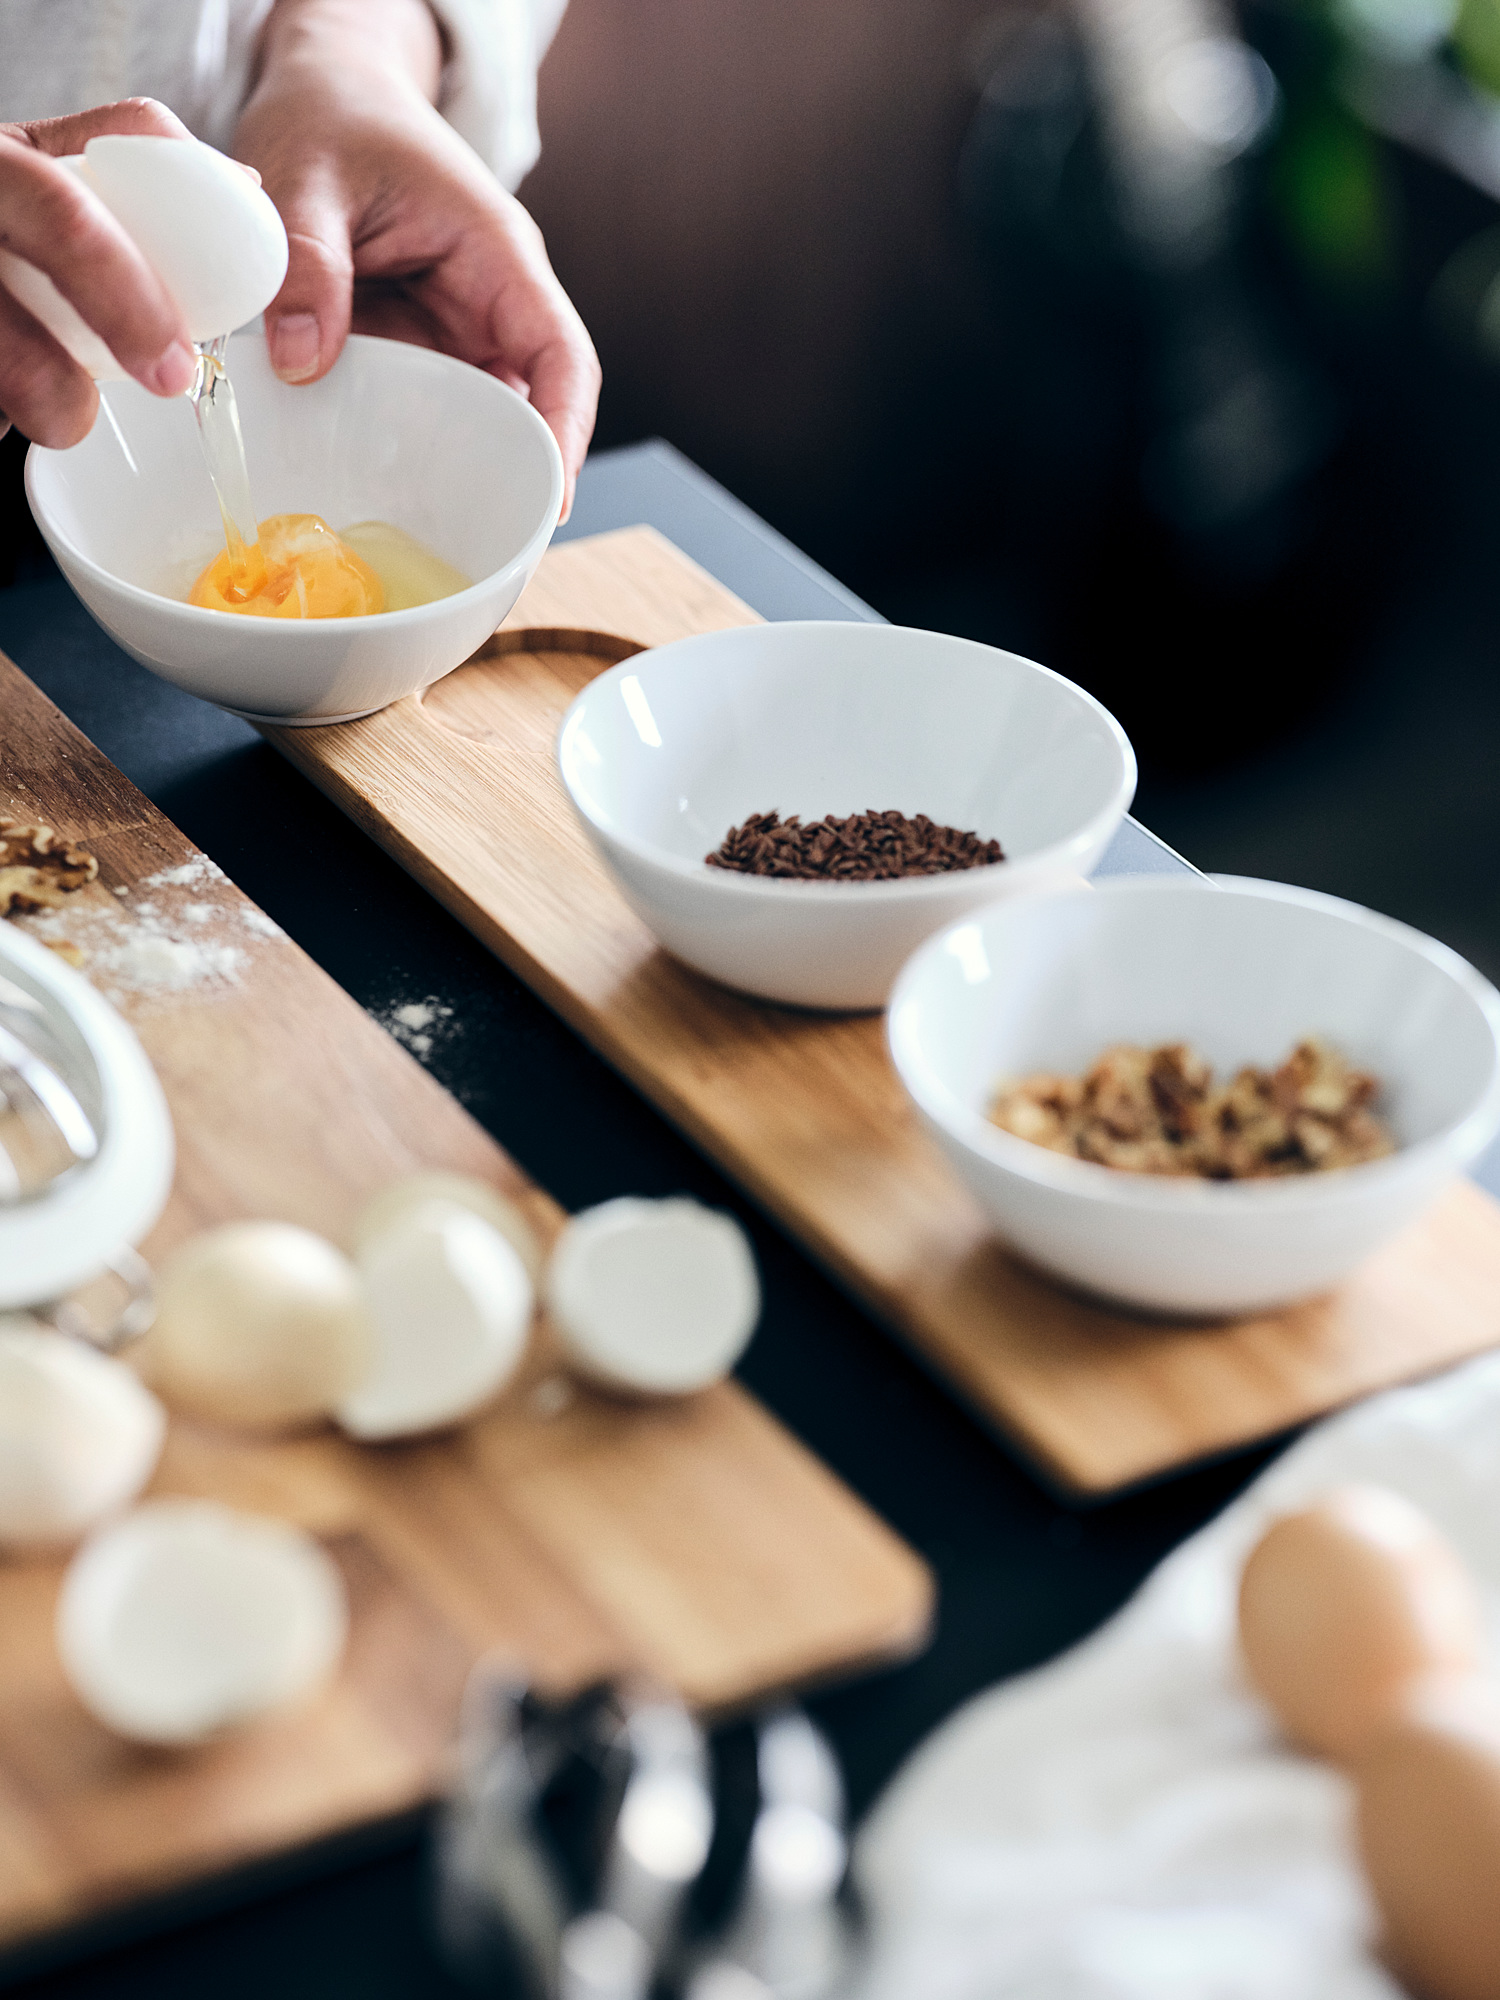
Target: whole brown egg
[(1428, 1823), (1343, 1605)]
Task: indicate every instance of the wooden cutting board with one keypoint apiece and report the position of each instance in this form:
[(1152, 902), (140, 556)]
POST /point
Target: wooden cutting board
[(697, 1540), (804, 1110)]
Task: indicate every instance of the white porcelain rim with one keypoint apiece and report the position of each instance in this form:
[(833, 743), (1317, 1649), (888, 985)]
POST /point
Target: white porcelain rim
[(1045, 861), (413, 614)]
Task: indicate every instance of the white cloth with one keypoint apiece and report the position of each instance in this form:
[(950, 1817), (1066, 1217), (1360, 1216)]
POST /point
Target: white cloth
[(58, 56), (1125, 1824)]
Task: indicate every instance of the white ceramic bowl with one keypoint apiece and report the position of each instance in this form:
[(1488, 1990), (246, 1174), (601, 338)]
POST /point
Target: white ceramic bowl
[(393, 433), (665, 752), (1241, 970)]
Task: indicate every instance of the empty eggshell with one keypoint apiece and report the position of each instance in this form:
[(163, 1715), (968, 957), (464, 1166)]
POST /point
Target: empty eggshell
[(401, 1198), (257, 1323), (450, 1304), (655, 1297), (79, 1435), (185, 1618), (1343, 1604), (1428, 1824)]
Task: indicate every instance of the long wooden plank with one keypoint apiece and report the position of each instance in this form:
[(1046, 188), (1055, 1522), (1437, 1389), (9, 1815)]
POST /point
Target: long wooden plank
[(697, 1539), (805, 1111)]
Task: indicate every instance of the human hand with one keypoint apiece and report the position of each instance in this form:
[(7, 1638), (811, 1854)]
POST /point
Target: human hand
[(395, 226), (54, 222)]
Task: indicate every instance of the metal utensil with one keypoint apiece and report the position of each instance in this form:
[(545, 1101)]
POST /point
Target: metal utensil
[(792, 1934), (571, 1837), (44, 1130), (657, 1847)]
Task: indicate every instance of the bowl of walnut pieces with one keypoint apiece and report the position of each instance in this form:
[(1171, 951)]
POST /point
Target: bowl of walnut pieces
[(1197, 1098)]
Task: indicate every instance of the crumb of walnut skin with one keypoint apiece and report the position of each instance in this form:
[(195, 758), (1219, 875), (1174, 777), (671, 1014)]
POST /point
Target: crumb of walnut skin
[(1039, 1108), (1179, 1082), (1156, 1111), (37, 870), (1315, 1078), (1117, 1093)]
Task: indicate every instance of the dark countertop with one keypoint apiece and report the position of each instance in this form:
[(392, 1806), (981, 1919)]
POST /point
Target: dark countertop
[(1022, 1572)]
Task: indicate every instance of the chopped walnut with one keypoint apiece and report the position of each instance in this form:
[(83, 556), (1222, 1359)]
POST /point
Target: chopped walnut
[(37, 870), (1156, 1111)]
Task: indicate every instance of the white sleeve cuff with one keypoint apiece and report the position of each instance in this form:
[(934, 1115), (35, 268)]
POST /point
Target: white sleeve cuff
[(488, 90)]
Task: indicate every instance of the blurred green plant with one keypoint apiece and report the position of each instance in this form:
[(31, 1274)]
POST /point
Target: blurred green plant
[(1331, 193), (1476, 42)]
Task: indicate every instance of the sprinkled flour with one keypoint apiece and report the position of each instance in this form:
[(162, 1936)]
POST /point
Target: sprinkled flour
[(417, 1024), (156, 940), (139, 951), (149, 957), (194, 874)]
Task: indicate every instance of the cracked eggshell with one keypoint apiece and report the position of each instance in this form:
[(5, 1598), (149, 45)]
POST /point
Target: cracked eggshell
[(402, 1198), (654, 1297), (79, 1435), (210, 232), (260, 1324), (185, 1619), (450, 1304)]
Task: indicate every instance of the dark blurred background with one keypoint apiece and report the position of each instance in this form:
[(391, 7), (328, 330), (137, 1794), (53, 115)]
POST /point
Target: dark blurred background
[(1158, 343)]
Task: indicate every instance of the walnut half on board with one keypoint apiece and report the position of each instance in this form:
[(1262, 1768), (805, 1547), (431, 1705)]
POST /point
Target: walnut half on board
[(37, 870)]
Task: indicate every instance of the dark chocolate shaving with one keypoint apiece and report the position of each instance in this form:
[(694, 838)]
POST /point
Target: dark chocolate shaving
[(866, 847)]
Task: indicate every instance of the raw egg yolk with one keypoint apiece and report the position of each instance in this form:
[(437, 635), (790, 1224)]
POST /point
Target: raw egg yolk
[(299, 569)]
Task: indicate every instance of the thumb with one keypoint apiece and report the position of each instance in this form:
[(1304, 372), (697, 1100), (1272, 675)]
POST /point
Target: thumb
[(307, 322), (72, 133)]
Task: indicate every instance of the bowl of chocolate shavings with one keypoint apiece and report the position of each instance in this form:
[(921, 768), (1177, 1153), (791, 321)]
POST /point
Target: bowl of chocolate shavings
[(794, 808), (1198, 1097)]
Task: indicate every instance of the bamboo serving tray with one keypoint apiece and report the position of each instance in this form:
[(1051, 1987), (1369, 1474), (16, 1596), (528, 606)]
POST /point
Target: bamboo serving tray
[(805, 1110), (697, 1540)]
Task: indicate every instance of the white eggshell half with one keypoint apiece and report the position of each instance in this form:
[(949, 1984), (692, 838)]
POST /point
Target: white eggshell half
[(257, 1323), (79, 1436), (186, 1618), (660, 1297), (399, 1199), (213, 237), (449, 1302)]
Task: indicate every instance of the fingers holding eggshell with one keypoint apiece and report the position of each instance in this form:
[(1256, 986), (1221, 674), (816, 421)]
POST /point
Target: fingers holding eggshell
[(53, 221), (653, 1297), (43, 391), (185, 1619), (71, 133)]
